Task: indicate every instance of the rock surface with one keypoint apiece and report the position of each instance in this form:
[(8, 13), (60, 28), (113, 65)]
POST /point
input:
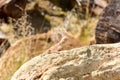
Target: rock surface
[(108, 27), (96, 62), (12, 8)]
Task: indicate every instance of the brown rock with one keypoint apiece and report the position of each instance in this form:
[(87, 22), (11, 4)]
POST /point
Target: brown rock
[(108, 27), (96, 62), (12, 8)]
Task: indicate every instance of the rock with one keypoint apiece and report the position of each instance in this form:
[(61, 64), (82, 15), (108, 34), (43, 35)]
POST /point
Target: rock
[(95, 7), (4, 2), (96, 62), (2, 35), (70, 4), (12, 8), (108, 27), (64, 4), (101, 3)]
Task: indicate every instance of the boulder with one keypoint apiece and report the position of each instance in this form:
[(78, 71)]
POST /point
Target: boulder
[(95, 62), (108, 27), (12, 8)]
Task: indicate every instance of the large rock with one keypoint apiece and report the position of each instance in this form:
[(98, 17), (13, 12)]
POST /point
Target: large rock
[(12, 8), (108, 27), (96, 62)]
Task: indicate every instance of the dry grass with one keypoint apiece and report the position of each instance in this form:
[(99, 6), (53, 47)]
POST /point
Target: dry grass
[(20, 52)]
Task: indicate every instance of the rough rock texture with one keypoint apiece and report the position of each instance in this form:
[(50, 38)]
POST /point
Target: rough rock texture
[(12, 8), (108, 27), (96, 62)]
